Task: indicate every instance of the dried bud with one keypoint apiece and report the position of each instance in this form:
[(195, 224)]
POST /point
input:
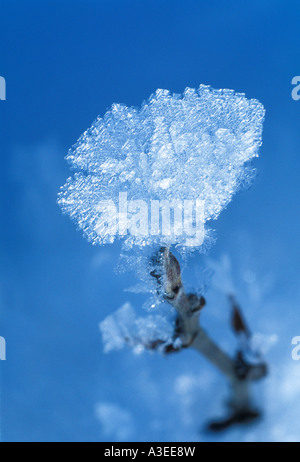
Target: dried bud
[(172, 283), (238, 323), (196, 303)]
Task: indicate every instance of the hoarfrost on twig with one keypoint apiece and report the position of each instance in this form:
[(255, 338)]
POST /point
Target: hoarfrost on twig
[(125, 328)]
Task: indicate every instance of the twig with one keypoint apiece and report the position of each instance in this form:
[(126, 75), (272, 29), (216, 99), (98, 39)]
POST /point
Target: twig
[(188, 306)]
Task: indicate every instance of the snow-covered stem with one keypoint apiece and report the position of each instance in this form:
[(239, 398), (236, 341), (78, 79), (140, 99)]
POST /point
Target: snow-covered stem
[(188, 306)]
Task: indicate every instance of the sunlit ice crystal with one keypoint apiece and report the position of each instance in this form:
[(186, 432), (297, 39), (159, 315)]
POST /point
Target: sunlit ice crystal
[(189, 147)]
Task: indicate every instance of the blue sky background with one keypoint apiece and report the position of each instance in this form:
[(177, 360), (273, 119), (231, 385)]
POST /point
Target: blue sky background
[(65, 62)]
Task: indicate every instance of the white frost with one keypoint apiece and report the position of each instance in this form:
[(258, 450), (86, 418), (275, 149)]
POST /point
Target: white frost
[(175, 147), (125, 328)]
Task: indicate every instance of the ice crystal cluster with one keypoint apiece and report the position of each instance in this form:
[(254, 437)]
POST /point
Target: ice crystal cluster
[(124, 327), (175, 147)]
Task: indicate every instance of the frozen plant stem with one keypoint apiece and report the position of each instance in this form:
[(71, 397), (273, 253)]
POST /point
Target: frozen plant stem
[(188, 306)]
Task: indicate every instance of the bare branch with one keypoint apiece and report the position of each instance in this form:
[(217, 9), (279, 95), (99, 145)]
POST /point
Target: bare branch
[(191, 334)]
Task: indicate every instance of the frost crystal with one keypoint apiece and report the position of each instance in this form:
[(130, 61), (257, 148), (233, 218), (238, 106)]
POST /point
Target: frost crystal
[(175, 147), (124, 328)]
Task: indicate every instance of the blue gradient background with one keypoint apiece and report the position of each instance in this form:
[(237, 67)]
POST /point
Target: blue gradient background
[(65, 62)]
